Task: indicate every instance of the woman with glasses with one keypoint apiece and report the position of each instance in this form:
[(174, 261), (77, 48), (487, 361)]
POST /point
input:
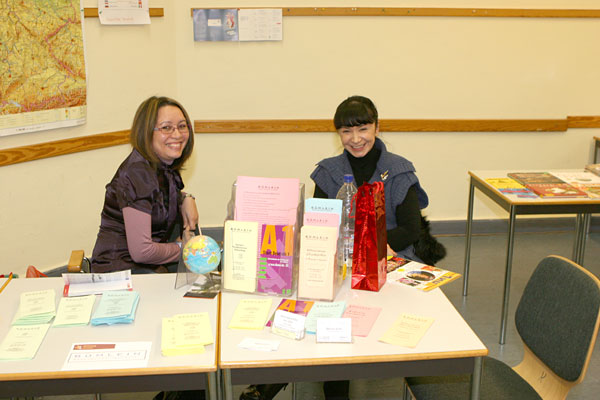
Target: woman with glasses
[(145, 210)]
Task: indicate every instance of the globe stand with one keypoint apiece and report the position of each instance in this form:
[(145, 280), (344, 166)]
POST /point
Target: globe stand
[(202, 285), (184, 275)]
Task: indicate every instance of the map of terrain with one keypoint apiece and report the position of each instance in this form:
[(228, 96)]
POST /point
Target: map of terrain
[(42, 68)]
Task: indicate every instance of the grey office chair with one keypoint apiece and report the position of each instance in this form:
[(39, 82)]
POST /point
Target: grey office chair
[(557, 318)]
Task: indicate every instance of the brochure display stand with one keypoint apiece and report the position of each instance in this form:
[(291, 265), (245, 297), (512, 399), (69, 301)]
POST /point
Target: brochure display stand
[(261, 237), (320, 272)]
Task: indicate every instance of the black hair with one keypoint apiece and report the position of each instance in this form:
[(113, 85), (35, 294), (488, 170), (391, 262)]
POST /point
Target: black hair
[(355, 111)]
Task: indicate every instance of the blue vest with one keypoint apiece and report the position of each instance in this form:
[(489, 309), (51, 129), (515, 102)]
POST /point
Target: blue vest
[(396, 173)]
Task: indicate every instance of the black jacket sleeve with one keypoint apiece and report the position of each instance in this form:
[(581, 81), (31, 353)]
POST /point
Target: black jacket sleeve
[(408, 218), (319, 193)]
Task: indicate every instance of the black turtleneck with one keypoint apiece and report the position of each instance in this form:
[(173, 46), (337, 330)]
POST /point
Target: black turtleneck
[(408, 213)]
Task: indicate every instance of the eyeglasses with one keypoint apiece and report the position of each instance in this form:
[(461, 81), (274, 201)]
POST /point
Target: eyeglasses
[(169, 129)]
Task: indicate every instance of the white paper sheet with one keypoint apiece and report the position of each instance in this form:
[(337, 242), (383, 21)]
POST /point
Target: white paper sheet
[(116, 355), (123, 12)]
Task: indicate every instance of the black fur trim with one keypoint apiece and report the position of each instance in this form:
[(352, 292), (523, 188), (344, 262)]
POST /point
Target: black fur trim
[(427, 248)]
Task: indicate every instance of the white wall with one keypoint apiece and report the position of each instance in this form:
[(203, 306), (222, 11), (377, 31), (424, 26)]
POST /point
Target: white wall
[(412, 67)]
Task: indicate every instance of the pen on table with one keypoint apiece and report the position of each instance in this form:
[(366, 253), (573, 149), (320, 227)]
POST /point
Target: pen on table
[(10, 276)]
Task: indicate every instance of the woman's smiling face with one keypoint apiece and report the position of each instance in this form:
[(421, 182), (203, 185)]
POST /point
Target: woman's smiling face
[(358, 140), (169, 147)]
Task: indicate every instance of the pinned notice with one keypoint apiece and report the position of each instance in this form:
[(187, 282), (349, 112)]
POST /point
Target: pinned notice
[(123, 12)]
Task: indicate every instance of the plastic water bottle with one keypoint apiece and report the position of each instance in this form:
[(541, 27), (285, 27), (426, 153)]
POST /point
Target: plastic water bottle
[(346, 194)]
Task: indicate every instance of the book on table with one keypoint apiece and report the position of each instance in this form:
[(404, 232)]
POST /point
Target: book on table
[(545, 184), (417, 275), (509, 186), (585, 181)]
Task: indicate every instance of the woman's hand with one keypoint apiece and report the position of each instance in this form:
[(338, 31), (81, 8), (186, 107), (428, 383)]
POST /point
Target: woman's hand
[(390, 251), (186, 236), (189, 212)]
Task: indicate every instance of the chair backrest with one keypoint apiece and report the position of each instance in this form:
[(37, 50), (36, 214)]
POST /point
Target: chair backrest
[(78, 262), (558, 318)]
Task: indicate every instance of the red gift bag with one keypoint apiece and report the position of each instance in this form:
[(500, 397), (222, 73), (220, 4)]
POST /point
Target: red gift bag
[(369, 260)]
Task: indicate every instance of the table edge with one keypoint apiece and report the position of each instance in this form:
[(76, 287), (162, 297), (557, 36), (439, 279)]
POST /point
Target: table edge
[(353, 360), (102, 373)]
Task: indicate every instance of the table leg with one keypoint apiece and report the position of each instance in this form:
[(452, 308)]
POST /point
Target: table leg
[(468, 238), (507, 273), (406, 394), (476, 378), (213, 388), (219, 384), (583, 231), (576, 242), (227, 388)]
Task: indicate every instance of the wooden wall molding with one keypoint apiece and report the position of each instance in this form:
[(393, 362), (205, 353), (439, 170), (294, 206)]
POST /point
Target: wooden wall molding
[(61, 147), (432, 12), (78, 144), (386, 125), (93, 12), (584, 122)]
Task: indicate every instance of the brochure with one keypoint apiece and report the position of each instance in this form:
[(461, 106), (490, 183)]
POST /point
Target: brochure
[(323, 310), (275, 260), (84, 284), (116, 308), (250, 314), (36, 307), (294, 306), (241, 252), (317, 273), (420, 276)]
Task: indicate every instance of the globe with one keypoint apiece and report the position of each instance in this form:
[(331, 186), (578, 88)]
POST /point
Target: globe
[(201, 254)]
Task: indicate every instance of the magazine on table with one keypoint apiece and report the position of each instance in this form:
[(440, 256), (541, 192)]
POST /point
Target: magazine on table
[(546, 184), (417, 275)]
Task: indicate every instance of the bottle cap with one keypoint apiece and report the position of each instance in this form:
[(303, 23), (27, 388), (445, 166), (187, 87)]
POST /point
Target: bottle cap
[(348, 178)]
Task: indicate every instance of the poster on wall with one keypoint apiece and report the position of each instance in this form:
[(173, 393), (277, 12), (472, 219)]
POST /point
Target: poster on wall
[(42, 66), (233, 24), (260, 24), (215, 25)]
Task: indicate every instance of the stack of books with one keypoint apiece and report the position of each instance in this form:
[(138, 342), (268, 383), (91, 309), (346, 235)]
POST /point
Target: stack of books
[(545, 184)]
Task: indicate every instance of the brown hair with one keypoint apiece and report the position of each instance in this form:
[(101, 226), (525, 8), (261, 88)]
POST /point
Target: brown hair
[(142, 130)]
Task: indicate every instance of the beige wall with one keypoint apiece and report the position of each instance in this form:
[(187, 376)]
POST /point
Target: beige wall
[(411, 67)]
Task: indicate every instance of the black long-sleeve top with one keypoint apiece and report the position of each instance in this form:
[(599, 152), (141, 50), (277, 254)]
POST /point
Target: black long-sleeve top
[(408, 213)]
